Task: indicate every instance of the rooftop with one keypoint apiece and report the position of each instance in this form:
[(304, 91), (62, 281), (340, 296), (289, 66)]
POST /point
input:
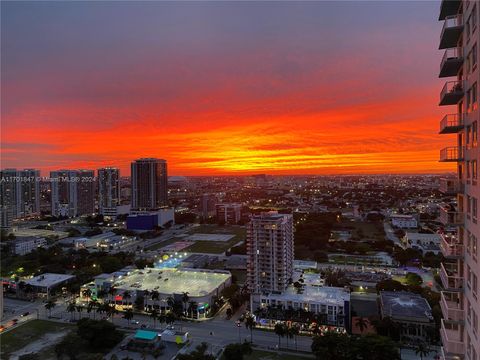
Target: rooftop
[(320, 294), (145, 335), (402, 304), (48, 279), (173, 281)]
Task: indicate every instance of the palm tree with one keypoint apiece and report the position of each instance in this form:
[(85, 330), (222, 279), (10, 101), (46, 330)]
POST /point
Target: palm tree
[(250, 324), (280, 331), (294, 331), (162, 318), (154, 316), (185, 299), (71, 308), (289, 333), (128, 315), (422, 350), (127, 295), (92, 306), (111, 310), (362, 324), (192, 306), (170, 317), (50, 304)]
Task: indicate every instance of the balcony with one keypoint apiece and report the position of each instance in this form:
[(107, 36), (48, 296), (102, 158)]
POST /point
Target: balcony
[(450, 186), (451, 93), (451, 247), (451, 124), (451, 31), (451, 280), (449, 8), (452, 338), (451, 304), (452, 62), (451, 154), (450, 216)]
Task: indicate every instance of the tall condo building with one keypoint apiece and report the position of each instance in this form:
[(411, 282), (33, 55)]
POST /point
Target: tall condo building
[(149, 184), (108, 190), (19, 195), (460, 272), (270, 252), (73, 192)]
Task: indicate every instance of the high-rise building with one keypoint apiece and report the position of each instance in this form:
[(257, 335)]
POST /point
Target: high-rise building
[(108, 190), (19, 195), (149, 184), (269, 252), (460, 272), (73, 192), (207, 205), (228, 213)]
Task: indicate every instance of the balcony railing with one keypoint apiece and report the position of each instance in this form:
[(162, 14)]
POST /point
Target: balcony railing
[(451, 279), (451, 247), (451, 31), (451, 154), (452, 337), (450, 186), (450, 217), (452, 307), (452, 62), (452, 92), (449, 8), (451, 123)]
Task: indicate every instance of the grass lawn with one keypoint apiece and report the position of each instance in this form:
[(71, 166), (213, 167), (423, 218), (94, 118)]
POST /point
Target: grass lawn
[(268, 355), (370, 230), (27, 333), (216, 247)]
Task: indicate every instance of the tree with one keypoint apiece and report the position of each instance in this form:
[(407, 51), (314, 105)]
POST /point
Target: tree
[(92, 306), (71, 308), (361, 323), (250, 324), (185, 299), (331, 346), (280, 331), (413, 279), (237, 351), (422, 350), (154, 316), (49, 305), (99, 334), (128, 315), (170, 317), (79, 310), (295, 330)]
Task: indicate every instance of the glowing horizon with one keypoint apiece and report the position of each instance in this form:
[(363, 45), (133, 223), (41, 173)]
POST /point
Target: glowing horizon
[(223, 88)]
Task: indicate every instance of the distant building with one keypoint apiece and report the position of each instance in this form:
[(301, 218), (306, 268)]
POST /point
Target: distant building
[(423, 242), (409, 309), (73, 192), (19, 195), (269, 252), (404, 221), (149, 220), (108, 191), (228, 213), (208, 205), (149, 184), (22, 246)]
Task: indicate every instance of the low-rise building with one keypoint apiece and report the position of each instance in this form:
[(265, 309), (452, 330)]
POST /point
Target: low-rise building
[(46, 284), (404, 221), (411, 310), (423, 242), (25, 245)]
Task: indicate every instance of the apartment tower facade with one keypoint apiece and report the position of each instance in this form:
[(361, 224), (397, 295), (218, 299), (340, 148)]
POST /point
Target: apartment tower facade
[(460, 272), (269, 252), (149, 184), (108, 190), (72, 192)]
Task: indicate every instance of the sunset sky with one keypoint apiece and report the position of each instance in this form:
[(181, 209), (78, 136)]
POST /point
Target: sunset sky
[(223, 88)]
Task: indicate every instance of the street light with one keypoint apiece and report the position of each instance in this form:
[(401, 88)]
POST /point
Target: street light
[(239, 326)]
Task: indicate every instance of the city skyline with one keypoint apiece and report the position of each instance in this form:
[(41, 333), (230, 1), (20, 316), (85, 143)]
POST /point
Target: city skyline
[(239, 88)]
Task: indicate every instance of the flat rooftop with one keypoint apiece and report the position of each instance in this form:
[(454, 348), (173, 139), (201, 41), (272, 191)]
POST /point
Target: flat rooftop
[(402, 304), (321, 294), (48, 279), (173, 281)]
